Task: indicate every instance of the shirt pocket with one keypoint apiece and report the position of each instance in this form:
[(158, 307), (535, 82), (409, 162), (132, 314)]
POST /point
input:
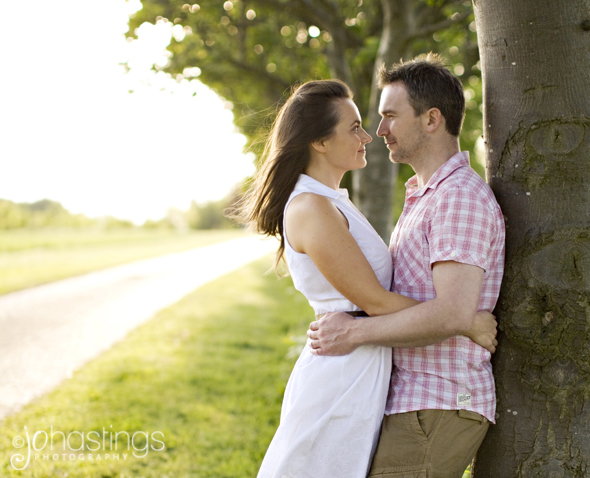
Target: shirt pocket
[(412, 265)]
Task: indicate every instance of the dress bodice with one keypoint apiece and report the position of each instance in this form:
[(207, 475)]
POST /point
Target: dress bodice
[(322, 296)]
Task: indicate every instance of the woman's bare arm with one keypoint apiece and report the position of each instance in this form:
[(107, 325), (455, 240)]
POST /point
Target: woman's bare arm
[(314, 226)]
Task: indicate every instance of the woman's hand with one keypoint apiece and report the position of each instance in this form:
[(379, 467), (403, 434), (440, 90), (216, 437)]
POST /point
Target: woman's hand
[(483, 331)]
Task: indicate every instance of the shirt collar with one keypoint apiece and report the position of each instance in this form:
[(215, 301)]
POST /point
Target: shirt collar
[(314, 186), (456, 161)]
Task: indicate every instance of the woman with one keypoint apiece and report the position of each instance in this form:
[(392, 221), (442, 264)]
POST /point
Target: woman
[(333, 406)]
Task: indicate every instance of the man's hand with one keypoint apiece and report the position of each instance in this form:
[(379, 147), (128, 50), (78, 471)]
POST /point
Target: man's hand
[(483, 331), (332, 334)]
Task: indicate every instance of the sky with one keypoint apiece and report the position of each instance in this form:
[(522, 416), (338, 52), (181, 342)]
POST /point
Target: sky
[(70, 130)]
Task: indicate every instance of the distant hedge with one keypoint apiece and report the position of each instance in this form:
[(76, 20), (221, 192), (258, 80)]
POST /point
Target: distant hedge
[(48, 213)]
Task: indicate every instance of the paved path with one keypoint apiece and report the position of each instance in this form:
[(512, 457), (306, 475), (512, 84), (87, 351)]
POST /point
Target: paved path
[(47, 332)]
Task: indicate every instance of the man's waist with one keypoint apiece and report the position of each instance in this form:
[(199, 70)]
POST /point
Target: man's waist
[(486, 411), (422, 376), (410, 392), (457, 350)]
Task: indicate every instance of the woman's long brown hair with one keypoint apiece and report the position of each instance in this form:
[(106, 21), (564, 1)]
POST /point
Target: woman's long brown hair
[(310, 114)]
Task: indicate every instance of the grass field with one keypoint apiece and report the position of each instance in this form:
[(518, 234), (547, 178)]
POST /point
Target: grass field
[(204, 379), (33, 257), (208, 373)]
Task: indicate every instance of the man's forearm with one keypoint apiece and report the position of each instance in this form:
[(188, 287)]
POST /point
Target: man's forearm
[(458, 287), (451, 313), (423, 324)]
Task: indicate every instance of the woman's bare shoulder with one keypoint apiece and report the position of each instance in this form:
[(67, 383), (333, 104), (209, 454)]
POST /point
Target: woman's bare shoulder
[(306, 202), (310, 206)]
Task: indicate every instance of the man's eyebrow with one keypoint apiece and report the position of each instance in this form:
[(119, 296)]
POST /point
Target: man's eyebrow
[(386, 112)]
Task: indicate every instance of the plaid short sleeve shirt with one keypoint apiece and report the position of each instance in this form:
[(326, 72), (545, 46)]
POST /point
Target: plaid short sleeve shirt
[(454, 217)]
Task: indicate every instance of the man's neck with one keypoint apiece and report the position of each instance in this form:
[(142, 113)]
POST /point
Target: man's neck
[(434, 159)]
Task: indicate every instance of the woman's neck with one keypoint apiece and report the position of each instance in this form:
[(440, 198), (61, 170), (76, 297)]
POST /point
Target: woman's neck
[(327, 177)]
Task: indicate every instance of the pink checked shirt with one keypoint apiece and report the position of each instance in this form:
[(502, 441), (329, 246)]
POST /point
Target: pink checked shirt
[(455, 217)]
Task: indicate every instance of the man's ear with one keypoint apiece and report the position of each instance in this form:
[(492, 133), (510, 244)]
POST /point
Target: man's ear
[(434, 119), (319, 146)]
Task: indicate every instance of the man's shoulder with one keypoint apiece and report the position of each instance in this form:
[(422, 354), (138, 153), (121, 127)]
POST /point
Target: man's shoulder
[(464, 176), (465, 181)]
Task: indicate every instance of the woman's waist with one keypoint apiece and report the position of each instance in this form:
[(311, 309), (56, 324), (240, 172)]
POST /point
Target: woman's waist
[(354, 313), (323, 306)]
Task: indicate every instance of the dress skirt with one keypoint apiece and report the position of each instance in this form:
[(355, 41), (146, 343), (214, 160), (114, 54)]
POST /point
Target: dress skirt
[(331, 416)]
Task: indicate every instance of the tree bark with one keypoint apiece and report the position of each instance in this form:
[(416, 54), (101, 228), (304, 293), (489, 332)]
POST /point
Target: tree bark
[(535, 60)]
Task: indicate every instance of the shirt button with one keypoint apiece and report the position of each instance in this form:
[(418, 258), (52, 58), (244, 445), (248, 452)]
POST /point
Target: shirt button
[(408, 236), (453, 254)]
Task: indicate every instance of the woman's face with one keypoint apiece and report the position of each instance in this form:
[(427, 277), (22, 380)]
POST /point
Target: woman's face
[(345, 149)]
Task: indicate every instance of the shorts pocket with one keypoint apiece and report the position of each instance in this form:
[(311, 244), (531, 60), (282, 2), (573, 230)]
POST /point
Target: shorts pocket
[(472, 416), (428, 421)]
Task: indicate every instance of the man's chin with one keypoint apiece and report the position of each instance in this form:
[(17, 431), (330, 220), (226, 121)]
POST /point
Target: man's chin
[(396, 160)]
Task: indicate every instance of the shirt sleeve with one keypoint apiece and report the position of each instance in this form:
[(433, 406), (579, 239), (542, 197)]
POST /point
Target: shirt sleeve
[(461, 229)]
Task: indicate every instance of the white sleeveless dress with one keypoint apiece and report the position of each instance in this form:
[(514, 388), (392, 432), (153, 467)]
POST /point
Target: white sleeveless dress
[(333, 406)]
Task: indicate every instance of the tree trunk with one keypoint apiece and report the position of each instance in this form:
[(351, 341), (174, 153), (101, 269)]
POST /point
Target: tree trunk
[(374, 185), (337, 60), (536, 76)]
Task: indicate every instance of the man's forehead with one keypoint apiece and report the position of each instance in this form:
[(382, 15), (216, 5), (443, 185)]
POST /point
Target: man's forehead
[(393, 96)]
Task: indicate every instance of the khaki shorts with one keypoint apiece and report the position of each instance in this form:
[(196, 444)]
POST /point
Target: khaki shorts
[(428, 444)]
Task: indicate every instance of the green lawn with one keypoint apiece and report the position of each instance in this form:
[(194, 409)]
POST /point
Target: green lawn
[(32, 257), (208, 373)]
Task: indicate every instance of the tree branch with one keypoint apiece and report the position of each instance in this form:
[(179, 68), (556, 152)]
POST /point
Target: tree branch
[(274, 80), (304, 10), (435, 27)]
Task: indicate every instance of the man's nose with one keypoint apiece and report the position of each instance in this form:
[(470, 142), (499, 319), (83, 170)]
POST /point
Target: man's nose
[(381, 130)]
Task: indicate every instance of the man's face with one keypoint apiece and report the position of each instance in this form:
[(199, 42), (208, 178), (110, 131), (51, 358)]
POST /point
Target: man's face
[(400, 127)]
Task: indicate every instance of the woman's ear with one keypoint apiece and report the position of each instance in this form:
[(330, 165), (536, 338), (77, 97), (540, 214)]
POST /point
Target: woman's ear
[(319, 146)]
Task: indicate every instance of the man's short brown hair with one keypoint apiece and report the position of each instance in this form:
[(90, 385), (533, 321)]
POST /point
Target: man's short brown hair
[(430, 84)]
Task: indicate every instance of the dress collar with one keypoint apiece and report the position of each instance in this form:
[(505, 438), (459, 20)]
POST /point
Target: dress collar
[(313, 185)]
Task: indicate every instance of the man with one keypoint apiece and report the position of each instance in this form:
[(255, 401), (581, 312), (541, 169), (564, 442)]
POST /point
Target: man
[(448, 253)]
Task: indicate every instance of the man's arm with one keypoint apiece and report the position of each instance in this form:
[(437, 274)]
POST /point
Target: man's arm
[(458, 288)]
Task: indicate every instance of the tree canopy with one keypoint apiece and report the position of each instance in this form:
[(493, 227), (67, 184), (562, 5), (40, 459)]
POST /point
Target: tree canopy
[(253, 51)]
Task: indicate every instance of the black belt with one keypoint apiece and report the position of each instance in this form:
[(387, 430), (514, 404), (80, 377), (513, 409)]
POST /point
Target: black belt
[(357, 313)]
